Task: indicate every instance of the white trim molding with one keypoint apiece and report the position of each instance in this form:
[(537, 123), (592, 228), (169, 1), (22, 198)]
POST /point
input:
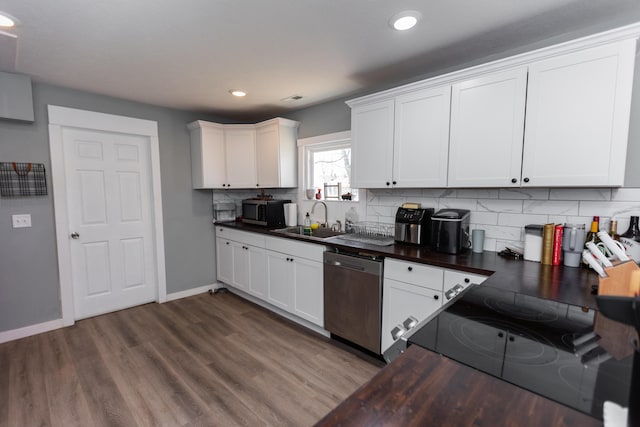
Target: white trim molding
[(63, 117), (194, 291), (27, 331)]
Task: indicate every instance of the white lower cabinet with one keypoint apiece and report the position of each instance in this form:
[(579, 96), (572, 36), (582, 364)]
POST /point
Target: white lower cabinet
[(285, 273), (224, 257), (401, 300), (280, 276), (418, 290), (308, 300)]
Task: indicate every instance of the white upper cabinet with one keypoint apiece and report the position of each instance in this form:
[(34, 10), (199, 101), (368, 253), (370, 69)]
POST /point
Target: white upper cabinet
[(421, 138), (208, 166), (554, 117), (240, 155), (487, 126), (276, 153), (402, 142), (578, 117), (244, 156), (372, 145)]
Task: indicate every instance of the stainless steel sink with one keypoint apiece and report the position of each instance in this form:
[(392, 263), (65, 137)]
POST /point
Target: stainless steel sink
[(320, 233)]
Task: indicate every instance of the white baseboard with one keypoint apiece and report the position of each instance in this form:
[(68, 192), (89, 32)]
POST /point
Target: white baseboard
[(27, 331), (193, 291), (281, 312)]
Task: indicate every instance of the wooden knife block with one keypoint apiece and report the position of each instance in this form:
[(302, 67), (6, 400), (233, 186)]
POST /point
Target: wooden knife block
[(616, 337), (619, 280)]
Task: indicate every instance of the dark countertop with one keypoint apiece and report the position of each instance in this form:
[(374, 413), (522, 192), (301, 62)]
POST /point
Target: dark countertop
[(563, 284), (422, 388)]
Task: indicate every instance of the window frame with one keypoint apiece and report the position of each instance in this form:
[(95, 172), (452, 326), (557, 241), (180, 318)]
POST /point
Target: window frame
[(307, 146)]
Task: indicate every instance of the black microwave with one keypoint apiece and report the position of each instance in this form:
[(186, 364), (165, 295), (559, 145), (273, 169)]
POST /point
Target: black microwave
[(269, 213)]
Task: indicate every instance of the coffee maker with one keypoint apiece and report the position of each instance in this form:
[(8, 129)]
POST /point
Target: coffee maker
[(413, 225)]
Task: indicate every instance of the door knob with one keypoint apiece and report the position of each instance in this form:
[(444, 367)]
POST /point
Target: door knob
[(75, 235)]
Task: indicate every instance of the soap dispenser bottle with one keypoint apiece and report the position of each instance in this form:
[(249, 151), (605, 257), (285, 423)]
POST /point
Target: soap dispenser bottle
[(307, 225)]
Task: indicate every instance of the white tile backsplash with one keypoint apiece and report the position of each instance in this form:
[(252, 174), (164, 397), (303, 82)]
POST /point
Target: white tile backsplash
[(501, 212)]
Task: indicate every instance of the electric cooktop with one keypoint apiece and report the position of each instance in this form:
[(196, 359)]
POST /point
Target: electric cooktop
[(567, 353)]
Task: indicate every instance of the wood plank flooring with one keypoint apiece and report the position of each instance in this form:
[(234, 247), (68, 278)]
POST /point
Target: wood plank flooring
[(200, 361)]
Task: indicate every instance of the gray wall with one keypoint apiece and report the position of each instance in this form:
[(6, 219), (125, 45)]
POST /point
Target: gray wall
[(29, 286)]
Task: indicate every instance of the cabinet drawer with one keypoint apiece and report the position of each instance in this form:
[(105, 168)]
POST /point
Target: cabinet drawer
[(246, 237), (414, 273), (310, 251)]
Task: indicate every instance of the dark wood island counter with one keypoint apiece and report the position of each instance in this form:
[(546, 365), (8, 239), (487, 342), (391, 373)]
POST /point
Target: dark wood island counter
[(422, 388)]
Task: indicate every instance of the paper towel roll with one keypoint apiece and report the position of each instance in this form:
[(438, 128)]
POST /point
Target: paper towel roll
[(290, 214)]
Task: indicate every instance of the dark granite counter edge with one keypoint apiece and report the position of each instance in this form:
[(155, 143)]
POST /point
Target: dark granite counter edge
[(558, 283)]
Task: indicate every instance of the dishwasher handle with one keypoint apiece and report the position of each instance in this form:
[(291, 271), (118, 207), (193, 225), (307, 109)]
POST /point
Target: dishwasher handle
[(343, 264)]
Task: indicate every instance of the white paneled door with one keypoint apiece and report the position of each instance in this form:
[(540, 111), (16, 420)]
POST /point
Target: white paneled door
[(110, 215)]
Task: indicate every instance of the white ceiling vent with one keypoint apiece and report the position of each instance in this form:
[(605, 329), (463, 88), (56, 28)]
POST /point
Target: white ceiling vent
[(290, 99)]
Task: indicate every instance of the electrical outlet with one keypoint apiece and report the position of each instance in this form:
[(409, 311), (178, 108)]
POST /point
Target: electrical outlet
[(21, 221)]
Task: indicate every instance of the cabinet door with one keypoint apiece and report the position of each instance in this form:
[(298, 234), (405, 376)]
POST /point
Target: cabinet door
[(280, 275), (487, 127), (208, 169), (241, 266), (258, 283), (240, 151), (224, 258), (578, 117), (372, 145), (421, 142), (401, 300), (308, 291), (267, 156)]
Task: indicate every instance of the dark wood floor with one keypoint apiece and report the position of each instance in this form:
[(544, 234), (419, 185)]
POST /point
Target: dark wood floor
[(204, 360)]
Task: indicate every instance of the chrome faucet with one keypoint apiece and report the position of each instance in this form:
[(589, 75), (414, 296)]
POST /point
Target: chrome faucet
[(326, 220)]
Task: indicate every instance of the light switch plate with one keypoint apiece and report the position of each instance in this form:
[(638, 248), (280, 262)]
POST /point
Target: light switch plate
[(21, 221)]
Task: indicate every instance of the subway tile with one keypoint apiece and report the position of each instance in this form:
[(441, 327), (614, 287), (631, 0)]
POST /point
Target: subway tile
[(496, 205), (480, 193), (550, 207), (490, 245), (470, 204), (503, 233), (625, 194), (489, 218), (525, 193), (520, 220), (438, 192), (558, 219), (385, 211), (394, 201), (503, 244), (610, 209), (603, 194)]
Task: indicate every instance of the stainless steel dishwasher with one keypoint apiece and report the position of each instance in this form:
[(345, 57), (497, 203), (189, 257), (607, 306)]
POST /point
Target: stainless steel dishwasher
[(353, 298)]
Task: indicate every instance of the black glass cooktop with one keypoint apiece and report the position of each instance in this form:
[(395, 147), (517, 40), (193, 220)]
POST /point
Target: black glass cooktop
[(553, 349)]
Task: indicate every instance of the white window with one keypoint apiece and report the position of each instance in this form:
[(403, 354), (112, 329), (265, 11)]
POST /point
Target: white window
[(327, 167)]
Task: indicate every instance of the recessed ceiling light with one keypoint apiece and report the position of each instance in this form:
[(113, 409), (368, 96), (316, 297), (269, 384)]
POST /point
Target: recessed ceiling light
[(238, 93), (405, 20), (7, 21)]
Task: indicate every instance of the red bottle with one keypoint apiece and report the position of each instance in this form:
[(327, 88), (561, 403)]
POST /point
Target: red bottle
[(318, 195)]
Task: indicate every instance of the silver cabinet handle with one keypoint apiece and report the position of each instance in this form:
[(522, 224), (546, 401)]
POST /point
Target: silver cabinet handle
[(75, 235)]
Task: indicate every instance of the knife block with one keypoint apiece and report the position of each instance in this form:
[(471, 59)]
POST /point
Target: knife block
[(619, 280)]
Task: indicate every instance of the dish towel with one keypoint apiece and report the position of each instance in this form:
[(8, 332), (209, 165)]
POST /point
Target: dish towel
[(22, 179), (614, 415)]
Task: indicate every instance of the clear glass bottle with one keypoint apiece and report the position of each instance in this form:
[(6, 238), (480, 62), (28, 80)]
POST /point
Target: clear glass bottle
[(613, 230), (634, 231), (592, 235), (307, 225)]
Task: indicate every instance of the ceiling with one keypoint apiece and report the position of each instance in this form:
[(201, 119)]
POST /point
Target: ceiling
[(188, 54)]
